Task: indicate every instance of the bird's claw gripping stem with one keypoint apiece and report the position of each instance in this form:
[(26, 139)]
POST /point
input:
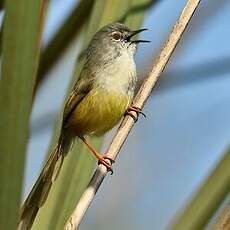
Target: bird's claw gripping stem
[(107, 162), (135, 109)]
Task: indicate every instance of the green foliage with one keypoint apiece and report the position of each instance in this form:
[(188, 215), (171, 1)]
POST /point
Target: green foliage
[(20, 54), (207, 200), (64, 36)]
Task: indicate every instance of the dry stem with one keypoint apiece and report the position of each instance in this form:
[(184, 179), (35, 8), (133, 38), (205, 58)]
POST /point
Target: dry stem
[(223, 222), (128, 122)]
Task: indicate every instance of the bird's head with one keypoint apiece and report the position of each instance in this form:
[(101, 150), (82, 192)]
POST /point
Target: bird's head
[(114, 39)]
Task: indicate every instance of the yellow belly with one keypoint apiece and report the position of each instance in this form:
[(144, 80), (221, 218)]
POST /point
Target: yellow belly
[(98, 112)]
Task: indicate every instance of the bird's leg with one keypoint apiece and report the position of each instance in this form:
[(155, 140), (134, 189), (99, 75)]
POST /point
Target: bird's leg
[(106, 161), (135, 109)]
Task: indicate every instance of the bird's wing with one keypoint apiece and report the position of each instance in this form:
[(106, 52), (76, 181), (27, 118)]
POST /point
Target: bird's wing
[(81, 89), (71, 103)]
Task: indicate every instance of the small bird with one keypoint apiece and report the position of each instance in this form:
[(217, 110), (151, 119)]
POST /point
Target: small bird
[(101, 96)]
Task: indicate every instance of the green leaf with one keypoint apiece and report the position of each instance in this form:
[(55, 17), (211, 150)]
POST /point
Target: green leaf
[(20, 54), (64, 36), (207, 200), (79, 164)]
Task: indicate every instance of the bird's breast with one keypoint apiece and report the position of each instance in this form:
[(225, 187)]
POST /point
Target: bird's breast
[(118, 75), (99, 111)]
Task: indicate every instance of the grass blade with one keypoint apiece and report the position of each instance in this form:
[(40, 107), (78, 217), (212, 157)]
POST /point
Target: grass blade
[(64, 36), (20, 54), (208, 199)]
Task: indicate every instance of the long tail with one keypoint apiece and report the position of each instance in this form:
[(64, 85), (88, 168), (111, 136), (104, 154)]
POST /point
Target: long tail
[(40, 190)]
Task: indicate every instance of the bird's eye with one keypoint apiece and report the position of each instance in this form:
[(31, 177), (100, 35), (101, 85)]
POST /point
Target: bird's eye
[(116, 36)]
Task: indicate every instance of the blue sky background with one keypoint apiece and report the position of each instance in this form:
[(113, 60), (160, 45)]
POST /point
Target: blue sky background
[(169, 154)]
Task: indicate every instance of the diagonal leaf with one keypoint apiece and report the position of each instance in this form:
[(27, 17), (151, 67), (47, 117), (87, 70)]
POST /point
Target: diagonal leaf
[(208, 199), (20, 53), (79, 164), (64, 36)]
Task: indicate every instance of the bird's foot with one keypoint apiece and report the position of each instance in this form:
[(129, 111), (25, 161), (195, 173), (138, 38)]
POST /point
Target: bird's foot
[(107, 162), (102, 159), (134, 109)]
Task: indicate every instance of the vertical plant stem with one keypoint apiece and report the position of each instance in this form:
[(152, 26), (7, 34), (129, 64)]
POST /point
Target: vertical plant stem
[(20, 54)]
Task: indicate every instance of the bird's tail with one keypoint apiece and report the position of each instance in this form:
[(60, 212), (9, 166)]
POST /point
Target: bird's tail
[(41, 188)]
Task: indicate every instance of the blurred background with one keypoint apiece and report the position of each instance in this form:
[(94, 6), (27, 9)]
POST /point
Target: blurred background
[(169, 155)]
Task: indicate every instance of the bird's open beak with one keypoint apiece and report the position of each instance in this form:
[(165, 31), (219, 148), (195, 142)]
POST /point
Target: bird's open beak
[(135, 32)]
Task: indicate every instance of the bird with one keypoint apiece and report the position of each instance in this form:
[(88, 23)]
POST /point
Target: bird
[(101, 96)]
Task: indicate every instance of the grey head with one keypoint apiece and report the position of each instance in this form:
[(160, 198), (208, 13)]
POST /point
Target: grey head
[(111, 42)]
